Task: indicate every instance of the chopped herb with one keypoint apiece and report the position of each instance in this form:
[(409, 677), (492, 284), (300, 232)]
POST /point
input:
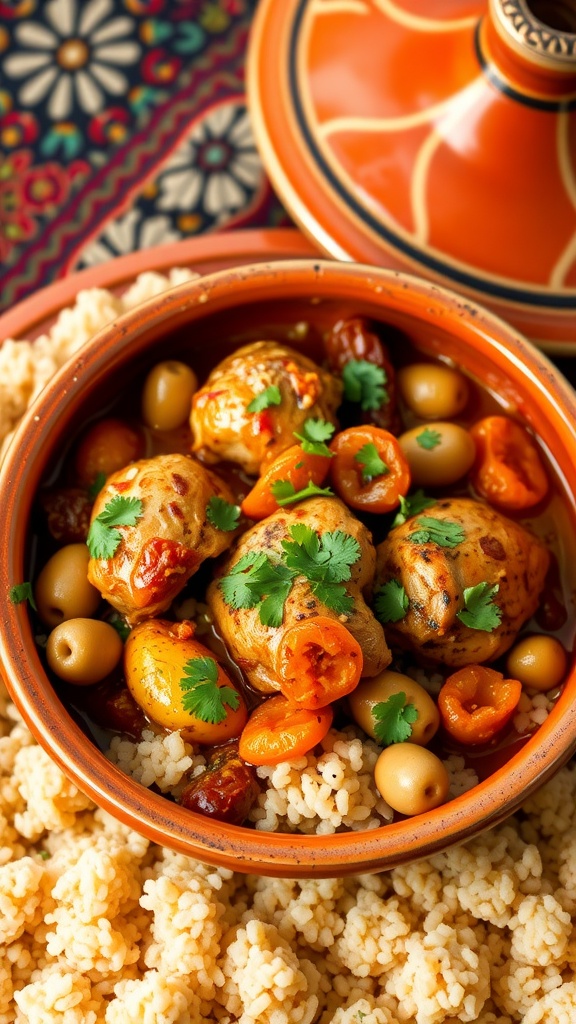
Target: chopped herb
[(222, 514), (438, 531), (255, 580), (21, 592), (326, 563), (285, 493), (364, 383), (263, 400), (480, 611), (372, 464), (96, 485), (202, 696), (118, 622), (391, 602), (393, 719), (429, 438), (298, 465), (103, 540), (314, 435), (411, 506), (44, 855)]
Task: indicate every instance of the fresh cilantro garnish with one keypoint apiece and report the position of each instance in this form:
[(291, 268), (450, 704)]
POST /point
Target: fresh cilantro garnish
[(314, 435), (255, 580), (285, 493), (21, 592), (365, 382), (437, 531), (393, 719), (118, 622), (44, 854), (411, 506), (263, 400), (202, 696), (391, 602), (222, 514), (480, 610), (372, 464), (96, 485), (326, 563), (103, 539), (429, 438)]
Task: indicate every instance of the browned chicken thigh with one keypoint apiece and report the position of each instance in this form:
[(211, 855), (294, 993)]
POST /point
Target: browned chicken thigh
[(168, 540), (287, 388), (257, 648), (489, 550)]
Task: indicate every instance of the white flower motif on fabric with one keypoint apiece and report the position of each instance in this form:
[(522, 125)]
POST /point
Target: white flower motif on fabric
[(217, 167), (128, 234), (73, 55)]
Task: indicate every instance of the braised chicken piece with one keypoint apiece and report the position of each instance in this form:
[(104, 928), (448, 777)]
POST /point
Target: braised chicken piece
[(163, 542), (456, 545), (284, 388), (260, 649)]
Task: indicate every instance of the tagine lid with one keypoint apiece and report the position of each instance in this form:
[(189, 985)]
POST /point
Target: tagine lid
[(439, 139)]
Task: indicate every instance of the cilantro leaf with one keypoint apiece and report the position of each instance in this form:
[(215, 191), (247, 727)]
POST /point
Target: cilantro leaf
[(365, 382), (118, 622), (285, 493), (222, 514), (21, 592), (315, 432), (437, 531), (480, 611), (372, 464), (411, 506), (393, 719), (325, 561), (391, 602), (429, 438), (255, 580), (96, 485), (103, 540), (202, 696), (264, 399)]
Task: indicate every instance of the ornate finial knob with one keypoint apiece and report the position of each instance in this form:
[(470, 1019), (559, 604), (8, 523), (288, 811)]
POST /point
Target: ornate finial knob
[(543, 31)]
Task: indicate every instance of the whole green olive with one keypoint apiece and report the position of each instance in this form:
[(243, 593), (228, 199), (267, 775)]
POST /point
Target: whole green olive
[(538, 662), (379, 689), (433, 391), (167, 395), (438, 454), (62, 590), (83, 651), (411, 778)]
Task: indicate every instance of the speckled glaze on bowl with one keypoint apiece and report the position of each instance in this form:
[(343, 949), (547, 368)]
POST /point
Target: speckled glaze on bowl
[(240, 302)]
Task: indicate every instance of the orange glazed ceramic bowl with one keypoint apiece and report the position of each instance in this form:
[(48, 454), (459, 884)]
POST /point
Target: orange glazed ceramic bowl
[(200, 321)]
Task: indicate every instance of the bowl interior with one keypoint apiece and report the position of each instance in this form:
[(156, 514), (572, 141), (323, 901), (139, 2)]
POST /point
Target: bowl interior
[(200, 322)]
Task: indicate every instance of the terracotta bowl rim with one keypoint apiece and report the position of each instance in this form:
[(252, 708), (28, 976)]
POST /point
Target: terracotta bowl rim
[(290, 855)]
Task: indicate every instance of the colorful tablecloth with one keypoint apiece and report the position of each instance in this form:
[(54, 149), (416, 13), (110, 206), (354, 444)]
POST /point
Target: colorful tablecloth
[(123, 125)]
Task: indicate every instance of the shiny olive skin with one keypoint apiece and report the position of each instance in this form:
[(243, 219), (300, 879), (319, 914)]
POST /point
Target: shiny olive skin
[(167, 395), (438, 453), (433, 391), (62, 590), (83, 651), (377, 690), (538, 662), (411, 778)]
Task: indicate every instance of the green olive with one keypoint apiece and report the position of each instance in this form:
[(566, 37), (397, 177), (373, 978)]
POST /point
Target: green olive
[(83, 651), (167, 395), (438, 453), (379, 689), (538, 662), (62, 589), (411, 778), (433, 391)]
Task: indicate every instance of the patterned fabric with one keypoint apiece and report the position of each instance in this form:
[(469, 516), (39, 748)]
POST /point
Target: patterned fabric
[(123, 125)]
